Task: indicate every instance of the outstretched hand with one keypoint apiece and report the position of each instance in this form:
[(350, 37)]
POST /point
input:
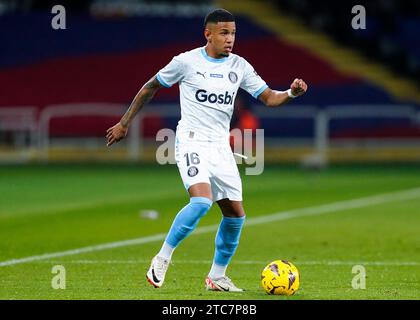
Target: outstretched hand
[(116, 133), (298, 87)]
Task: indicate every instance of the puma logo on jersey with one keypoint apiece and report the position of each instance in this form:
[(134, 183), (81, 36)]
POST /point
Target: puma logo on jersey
[(201, 74), (226, 98)]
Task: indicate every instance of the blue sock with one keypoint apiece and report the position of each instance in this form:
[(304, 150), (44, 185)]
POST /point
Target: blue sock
[(227, 239), (187, 219)]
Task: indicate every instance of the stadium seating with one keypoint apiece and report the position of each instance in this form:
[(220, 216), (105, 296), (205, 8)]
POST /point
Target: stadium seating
[(107, 60)]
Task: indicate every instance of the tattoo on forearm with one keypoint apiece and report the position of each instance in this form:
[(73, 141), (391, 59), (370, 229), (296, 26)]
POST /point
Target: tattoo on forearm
[(144, 96)]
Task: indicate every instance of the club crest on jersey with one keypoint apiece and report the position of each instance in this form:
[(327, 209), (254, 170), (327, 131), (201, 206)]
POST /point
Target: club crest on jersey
[(192, 171), (233, 77)]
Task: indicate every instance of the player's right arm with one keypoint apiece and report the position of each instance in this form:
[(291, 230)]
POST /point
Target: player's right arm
[(146, 93), (274, 98)]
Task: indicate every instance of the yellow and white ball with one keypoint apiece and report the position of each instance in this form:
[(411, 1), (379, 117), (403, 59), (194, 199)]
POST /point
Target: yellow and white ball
[(280, 277)]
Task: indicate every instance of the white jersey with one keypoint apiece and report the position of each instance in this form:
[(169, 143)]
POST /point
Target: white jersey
[(208, 88)]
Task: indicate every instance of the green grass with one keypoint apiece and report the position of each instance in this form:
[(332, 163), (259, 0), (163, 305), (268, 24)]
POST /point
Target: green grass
[(46, 209)]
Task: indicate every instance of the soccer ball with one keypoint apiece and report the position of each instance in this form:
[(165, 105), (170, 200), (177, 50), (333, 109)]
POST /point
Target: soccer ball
[(280, 277)]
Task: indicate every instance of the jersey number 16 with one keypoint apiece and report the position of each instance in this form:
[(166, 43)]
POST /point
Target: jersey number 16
[(192, 158)]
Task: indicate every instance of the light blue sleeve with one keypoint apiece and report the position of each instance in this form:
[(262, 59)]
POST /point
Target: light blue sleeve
[(252, 82), (172, 73)]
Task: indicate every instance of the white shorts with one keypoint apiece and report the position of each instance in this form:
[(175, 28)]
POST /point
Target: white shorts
[(208, 162)]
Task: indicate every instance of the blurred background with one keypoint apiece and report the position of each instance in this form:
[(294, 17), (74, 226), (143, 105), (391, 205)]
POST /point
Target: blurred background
[(61, 89)]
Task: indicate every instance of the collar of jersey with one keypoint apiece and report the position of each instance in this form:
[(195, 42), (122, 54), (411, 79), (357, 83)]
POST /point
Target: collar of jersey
[(204, 53)]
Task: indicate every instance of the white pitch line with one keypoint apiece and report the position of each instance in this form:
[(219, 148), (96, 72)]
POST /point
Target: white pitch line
[(246, 262), (308, 211)]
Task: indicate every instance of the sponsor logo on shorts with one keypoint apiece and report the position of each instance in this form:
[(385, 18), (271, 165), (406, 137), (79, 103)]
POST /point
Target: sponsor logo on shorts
[(192, 171)]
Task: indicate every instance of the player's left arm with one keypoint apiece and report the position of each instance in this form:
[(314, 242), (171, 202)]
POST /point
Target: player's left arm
[(274, 98)]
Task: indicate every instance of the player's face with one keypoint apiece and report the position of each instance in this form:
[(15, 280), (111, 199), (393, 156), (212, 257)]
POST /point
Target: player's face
[(221, 37)]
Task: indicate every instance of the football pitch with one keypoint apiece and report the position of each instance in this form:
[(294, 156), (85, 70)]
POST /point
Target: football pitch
[(352, 231)]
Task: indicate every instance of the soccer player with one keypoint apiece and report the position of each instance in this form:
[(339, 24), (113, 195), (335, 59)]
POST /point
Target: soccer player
[(209, 78)]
